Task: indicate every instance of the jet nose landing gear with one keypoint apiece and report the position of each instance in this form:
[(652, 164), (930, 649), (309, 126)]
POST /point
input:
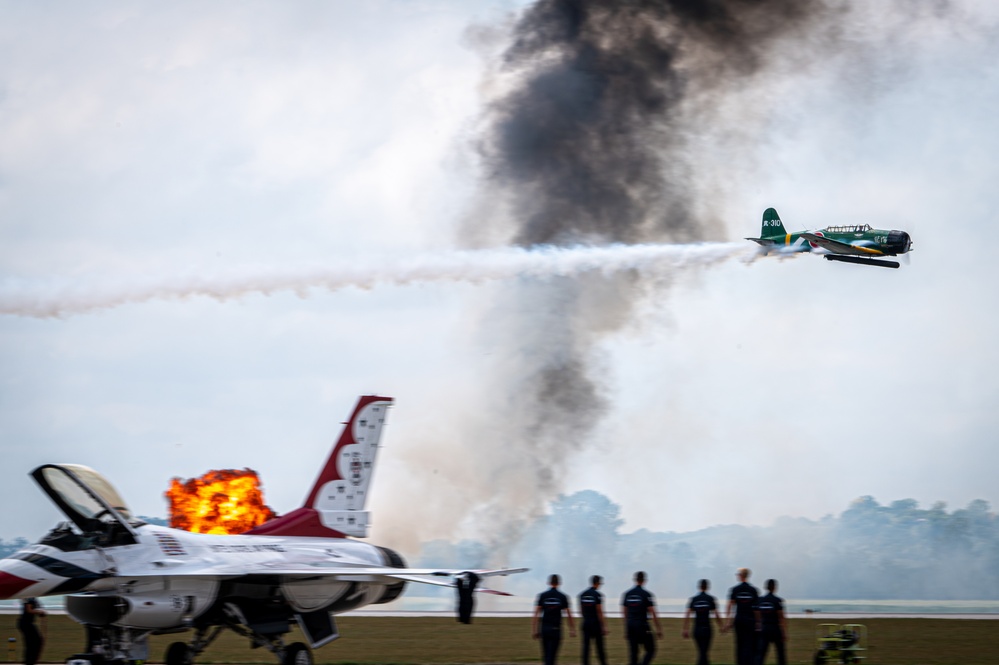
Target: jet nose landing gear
[(296, 654)]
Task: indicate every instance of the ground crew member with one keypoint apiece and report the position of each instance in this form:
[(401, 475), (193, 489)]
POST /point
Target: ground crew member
[(594, 628), (771, 625), (466, 584), (33, 642), (549, 607), (637, 605), (743, 597), (702, 605)]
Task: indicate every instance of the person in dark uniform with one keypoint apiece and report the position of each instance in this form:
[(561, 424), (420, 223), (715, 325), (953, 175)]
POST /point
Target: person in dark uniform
[(33, 642), (594, 628), (637, 605), (549, 608), (771, 625), (702, 605), (466, 595), (743, 597)]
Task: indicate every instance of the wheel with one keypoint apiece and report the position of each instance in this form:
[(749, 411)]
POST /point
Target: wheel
[(85, 658), (178, 653), (820, 657), (296, 654)]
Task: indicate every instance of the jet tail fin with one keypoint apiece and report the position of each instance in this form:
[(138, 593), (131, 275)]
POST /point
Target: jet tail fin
[(334, 507)]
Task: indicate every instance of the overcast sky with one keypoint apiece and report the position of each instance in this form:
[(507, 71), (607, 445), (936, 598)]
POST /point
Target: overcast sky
[(161, 142)]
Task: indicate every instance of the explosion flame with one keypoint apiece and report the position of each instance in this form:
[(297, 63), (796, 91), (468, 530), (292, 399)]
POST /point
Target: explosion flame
[(224, 501)]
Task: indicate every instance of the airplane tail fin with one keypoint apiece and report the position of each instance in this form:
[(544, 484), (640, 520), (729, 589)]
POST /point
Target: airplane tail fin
[(334, 507), (772, 232), (772, 228)]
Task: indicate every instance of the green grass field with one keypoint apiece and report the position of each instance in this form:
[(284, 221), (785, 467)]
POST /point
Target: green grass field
[(412, 640)]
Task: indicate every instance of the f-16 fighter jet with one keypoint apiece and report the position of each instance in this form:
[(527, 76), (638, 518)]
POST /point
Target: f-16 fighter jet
[(125, 579)]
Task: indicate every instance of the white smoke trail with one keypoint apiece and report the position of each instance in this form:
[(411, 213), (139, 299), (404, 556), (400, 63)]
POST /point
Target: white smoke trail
[(65, 298)]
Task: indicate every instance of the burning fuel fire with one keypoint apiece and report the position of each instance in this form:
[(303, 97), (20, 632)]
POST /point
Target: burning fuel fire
[(224, 501)]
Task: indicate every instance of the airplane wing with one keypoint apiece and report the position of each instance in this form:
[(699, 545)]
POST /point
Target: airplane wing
[(837, 247), (322, 569)]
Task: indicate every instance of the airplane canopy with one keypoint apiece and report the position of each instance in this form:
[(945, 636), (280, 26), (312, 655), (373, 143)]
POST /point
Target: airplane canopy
[(84, 495)]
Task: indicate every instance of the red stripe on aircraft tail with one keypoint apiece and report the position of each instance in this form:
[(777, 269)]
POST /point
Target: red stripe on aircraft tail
[(299, 522), (330, 472)]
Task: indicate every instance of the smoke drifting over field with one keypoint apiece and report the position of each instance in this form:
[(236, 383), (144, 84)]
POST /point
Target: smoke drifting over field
[(869, 551)]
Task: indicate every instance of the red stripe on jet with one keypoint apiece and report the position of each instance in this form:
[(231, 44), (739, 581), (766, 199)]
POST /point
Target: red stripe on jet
[(11, 585)]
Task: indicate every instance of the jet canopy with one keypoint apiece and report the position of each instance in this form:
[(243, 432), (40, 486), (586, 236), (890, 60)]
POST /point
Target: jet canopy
[(87, 499)]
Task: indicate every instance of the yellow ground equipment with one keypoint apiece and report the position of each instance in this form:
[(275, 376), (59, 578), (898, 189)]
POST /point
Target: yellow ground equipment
[(840, 643)]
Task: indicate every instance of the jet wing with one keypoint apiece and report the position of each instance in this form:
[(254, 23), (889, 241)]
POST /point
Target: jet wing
[(837, 247), (433, 576)]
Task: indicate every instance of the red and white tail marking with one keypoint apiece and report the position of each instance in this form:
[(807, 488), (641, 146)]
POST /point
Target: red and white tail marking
[(334, 506)]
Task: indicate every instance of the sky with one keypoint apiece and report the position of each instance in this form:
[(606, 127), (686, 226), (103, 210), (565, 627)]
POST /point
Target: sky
[(149, 149)]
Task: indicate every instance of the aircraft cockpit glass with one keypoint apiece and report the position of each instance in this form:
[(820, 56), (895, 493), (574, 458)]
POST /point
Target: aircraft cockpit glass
[(88, 500), (100, 486), (857, 228), (73, 494)]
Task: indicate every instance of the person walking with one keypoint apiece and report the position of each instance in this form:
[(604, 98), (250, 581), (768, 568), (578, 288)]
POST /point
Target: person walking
[(743, 597), (594, 627), (549, 608), (465, 585), (701, 606), (33, 642), (771, 625), (638, 605)]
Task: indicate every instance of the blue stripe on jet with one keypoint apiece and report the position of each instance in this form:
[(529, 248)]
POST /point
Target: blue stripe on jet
[(79, 577)]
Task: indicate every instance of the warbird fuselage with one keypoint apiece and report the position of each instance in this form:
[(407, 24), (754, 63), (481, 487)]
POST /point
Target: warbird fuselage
[(854, 243)]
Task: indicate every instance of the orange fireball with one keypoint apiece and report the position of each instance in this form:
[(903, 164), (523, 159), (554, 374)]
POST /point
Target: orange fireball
[(225, 501)]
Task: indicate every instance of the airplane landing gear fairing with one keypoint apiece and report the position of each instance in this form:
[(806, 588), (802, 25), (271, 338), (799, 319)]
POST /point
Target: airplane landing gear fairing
[(119, 646), (181, 653)]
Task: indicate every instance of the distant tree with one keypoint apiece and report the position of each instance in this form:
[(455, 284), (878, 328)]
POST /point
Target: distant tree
[(870, 551), (576, 540), (156, 521), (8, 547)]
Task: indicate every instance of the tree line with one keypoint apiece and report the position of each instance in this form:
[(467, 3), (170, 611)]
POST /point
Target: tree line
[(871, 551)]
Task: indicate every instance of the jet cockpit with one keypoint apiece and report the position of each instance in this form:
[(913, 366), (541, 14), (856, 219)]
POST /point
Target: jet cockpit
[(91, 503)]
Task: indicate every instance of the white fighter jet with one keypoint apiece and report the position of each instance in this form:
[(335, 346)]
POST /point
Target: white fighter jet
[(125, 579)]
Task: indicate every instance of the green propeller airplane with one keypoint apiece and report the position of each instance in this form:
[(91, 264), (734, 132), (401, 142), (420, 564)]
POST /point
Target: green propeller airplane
[(854, 243)]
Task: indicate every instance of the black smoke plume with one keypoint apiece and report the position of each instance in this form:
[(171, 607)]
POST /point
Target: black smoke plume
[(593, 135), (592, 140)]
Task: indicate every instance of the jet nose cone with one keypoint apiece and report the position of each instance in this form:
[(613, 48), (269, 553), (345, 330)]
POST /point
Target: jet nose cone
[(11, 585)]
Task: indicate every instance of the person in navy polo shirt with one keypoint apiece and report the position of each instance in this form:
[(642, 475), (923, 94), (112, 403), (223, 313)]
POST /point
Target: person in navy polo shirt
[(743, 597), (591, 608), (771, 625), (638, 605), (702, 605), (549, 608)]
